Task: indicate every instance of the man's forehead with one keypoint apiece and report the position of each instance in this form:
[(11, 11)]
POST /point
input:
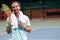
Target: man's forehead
[(15, 3)]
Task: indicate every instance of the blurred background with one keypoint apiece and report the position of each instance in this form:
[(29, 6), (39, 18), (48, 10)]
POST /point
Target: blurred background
[(44, 16), (36, 9)]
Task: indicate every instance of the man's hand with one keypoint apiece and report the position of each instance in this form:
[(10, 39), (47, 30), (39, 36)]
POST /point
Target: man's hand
[(22, 24), (27, 28), (9, 29)]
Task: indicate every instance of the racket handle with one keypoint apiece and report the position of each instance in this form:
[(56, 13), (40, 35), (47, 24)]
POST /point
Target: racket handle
[(11, 23)]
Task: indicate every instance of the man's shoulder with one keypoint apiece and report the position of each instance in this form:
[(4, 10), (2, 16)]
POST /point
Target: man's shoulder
[(25, 16), (21, 13)]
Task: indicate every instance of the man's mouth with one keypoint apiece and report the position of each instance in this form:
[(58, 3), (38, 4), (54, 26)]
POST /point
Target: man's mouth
[(15, 9)]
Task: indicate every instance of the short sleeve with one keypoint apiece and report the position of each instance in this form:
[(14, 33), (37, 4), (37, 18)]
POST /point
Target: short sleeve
[(25, 20), (28, 22)]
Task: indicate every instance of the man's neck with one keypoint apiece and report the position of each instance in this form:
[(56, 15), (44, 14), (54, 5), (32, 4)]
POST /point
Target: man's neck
[(17, 14)]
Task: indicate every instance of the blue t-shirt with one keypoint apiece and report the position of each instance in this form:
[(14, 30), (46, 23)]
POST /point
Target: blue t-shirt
[(19, 33)]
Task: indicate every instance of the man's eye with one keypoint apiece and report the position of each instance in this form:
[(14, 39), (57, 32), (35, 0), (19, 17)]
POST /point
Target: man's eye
[(16, 6), (13, 7)]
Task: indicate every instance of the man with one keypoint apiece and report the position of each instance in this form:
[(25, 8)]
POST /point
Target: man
[(18, 23)]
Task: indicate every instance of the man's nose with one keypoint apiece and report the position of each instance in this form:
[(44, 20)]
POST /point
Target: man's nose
[(15, 8)]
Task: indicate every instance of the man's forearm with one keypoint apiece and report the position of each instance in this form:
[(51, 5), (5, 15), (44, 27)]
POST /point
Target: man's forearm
[(27, 28)]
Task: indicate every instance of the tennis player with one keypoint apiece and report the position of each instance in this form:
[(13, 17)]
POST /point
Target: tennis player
[(18, 23)]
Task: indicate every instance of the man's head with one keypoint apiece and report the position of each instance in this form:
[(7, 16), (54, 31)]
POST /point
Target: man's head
[(16, 6)]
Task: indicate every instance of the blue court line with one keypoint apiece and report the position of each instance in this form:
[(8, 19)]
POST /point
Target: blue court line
[(40, 34)]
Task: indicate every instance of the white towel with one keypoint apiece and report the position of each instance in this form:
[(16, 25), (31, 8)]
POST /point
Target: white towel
[(14, 19)]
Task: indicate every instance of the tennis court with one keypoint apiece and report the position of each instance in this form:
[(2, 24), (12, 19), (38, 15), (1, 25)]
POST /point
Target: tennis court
[(41, 30)]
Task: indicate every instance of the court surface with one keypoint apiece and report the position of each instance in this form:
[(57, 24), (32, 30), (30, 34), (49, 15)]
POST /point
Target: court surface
[(41, 30)]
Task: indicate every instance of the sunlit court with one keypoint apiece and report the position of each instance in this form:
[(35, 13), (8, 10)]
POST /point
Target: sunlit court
[(44, 18)]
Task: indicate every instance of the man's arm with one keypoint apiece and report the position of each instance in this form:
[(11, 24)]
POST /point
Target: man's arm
[(25, 23), (8, 29), (27, 28), (8, 26)]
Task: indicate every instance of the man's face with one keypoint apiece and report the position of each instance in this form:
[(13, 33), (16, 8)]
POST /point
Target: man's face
[(15, 7)]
